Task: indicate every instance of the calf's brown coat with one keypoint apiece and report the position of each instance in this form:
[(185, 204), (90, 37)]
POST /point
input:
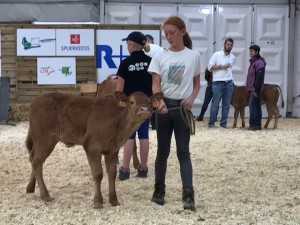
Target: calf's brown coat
[(100, 125), (269, 97)]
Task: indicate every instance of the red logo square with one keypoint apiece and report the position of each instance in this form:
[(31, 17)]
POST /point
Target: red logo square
[(75, 39)]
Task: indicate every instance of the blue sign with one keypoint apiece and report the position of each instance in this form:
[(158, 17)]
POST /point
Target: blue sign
[(105, 55)]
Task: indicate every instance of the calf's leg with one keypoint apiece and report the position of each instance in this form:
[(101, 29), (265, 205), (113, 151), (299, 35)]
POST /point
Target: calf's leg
[(111, 168), (242, 113), (136, 161), (270, 115), (39, 153), (94, 158), (236, 115), (31, 185), (276, 115)]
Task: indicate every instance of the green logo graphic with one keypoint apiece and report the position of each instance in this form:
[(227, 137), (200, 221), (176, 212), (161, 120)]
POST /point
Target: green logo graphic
[(66, 70)]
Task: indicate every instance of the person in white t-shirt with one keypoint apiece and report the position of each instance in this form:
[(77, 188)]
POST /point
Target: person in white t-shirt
[(150, 48), (221, 64), (175, 72)]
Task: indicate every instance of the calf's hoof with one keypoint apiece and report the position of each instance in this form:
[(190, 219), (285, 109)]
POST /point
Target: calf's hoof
[(47, 198), (98, 205), (114, 203), (30, 189)]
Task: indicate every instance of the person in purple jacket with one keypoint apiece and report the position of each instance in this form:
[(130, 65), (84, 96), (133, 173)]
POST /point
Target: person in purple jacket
[(254, 86)]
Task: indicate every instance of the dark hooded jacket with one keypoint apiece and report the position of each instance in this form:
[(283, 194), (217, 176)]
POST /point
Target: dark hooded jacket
[(256, 74)]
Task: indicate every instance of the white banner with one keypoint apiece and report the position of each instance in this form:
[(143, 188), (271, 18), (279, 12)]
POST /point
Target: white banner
[(56, 70), (111, 50), (35, 42), (75, 42)]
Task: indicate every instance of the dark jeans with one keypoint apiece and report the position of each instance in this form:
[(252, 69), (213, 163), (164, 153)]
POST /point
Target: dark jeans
[(165, 125), (255, 111), (221, 91), (207, 98)]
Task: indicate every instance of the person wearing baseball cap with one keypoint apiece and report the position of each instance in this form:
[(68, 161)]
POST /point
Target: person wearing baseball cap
[(133, 76), (137, 37)]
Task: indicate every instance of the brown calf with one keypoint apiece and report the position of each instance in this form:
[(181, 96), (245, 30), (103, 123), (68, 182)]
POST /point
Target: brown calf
[(100, 125), (107, 89), (269, 96)]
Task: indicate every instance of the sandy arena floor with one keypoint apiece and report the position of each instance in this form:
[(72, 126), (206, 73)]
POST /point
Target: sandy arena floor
[(240, 178)]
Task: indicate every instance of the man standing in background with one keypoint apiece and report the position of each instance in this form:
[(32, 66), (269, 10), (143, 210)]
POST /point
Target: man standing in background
[(221, 65)]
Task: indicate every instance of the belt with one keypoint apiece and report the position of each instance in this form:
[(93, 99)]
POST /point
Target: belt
[(169, 101), (223, 81)]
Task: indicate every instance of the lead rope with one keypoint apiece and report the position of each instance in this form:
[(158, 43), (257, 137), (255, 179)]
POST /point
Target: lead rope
[(188, 119)]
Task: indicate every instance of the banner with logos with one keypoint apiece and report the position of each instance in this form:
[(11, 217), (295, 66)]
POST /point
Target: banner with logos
[(55, 42), (111, 50), (56, 70), (36, 42), (75, 42)]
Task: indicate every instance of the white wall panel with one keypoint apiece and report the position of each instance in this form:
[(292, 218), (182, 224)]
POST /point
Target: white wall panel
[(296, 81), (199, 21), (235, 22), (271, 34), (156, 14), (121, 13)]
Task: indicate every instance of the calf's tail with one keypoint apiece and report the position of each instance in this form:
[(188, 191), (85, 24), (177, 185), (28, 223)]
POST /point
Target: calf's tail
[(282, 102), (29, 141)]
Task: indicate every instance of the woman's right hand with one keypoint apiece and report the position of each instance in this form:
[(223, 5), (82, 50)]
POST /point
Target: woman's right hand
[(162, 108)]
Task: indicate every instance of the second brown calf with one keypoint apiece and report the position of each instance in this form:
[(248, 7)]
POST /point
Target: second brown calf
[(269, 97)]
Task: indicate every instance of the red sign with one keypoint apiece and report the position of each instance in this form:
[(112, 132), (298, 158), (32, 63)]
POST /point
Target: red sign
[(75, 39)]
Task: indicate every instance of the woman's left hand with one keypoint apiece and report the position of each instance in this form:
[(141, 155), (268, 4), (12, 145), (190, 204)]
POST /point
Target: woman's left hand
[(187, 103)]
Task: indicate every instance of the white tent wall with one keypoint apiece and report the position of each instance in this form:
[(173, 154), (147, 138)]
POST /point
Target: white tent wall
[(49, 11), (295, 91), (270, 23), (210, 24)]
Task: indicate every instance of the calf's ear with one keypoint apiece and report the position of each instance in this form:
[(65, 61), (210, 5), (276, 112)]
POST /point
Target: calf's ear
[(121, 98), (155, 99)]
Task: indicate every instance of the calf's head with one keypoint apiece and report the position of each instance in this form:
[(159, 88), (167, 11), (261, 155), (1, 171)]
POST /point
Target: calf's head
[(138, 103)]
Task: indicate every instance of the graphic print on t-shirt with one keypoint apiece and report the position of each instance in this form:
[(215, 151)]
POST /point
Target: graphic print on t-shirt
[(138, 66), (175, 74)]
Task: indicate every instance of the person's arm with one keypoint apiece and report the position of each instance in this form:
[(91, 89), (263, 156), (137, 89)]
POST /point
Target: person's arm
[(188, 103), (259, 79), (156, 88)]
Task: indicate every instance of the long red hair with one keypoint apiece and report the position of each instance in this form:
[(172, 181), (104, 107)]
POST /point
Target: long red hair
[(179, 23)]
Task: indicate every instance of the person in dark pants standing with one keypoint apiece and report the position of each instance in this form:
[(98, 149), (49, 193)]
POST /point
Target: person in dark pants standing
[(176, 73), (254, 86), (208, 94), (133, 76)]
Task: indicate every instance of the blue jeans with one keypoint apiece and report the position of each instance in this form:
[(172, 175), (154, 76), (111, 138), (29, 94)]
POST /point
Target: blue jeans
[(207, 98), (222, 90), (255, 111), (165, 125)]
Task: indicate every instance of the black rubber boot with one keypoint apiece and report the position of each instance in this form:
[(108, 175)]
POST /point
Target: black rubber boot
[(188, 201), (159, 194)]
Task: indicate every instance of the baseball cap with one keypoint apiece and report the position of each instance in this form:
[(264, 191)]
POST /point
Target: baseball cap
[(136, 37)]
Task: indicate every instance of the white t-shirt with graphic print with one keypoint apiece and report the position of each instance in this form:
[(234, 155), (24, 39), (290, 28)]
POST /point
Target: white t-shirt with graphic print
[(177, 70)]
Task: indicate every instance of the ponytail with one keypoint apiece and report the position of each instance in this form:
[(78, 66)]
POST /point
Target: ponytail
[(187, 41)]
